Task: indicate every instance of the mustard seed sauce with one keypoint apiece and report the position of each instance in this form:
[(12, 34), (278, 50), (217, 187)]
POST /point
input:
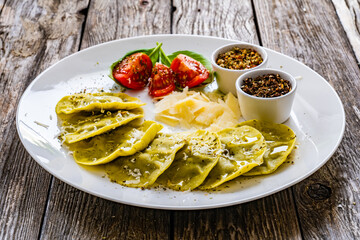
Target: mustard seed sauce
[(239, 59), (266, 86)]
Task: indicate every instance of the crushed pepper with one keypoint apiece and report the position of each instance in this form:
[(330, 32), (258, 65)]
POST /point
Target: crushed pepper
[(266, 86), (239, 59)]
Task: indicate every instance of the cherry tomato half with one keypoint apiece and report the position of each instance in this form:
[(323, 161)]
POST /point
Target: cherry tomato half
[(133, 71), (189, 72), (162, 80)]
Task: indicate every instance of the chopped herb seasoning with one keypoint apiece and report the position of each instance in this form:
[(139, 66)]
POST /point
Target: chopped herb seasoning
[(266, 86), (239, 59)]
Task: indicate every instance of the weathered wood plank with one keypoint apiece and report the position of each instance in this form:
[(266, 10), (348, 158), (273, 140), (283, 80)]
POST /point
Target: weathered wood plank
[(73, 214), (328, 201), (348, 12), (215, 18), (33, 35), (84, 216), (108, 20), (2, 3), (268, 218)]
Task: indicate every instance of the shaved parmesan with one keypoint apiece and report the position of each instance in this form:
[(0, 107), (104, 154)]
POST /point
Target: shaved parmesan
[(190, 109)]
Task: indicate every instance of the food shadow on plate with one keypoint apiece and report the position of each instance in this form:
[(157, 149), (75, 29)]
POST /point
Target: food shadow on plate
[(238, 184), (98, 170)]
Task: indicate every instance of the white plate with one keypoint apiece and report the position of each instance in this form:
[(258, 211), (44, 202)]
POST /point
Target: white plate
[(318, 120)]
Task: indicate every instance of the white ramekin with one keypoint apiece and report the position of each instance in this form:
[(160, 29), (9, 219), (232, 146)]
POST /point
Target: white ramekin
[(276, 109), (225, 77)]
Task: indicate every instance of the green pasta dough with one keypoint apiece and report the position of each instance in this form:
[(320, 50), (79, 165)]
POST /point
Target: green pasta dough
[(193, 163), (93, 102), (122, 141), (82, 125), (280, 141), (143, 168), (242, 149)]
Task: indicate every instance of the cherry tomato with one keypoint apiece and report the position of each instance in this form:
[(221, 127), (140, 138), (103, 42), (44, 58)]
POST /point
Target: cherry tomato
[(189, 72), (162, 80), (133, 71)]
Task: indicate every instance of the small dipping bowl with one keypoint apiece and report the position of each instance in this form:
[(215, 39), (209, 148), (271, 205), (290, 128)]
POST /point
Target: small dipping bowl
[(225, 77), (272, 109)]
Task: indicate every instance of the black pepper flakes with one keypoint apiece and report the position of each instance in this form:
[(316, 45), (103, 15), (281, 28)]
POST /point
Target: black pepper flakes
[(266, 86)]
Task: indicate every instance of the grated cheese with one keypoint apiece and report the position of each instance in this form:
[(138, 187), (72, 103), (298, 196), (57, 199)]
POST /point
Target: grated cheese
[(190, 109), (42, 124)]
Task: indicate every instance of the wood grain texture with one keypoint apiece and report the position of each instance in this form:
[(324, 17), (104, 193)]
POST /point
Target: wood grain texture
[(215, 18), (273, 217), (84, 216), (269, 218), (2, 4), (73, 214), (328, 201), (110, 20), (33, 35), (348, 12)]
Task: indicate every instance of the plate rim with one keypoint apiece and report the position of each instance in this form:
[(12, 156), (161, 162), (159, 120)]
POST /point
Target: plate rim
[(193, 207)]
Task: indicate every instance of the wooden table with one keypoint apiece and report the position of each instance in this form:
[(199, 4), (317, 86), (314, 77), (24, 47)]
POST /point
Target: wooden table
[(36, 34)]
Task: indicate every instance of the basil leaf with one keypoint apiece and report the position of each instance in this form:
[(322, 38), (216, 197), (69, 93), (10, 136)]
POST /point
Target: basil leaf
[(155, 54), (164, 59), (197, 57)]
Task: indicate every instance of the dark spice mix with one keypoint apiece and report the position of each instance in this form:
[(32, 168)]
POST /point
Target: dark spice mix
[(266, 86)]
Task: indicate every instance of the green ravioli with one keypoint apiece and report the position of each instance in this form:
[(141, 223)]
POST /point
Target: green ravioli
[(143, 168), (122, 141), (193, 162), (242, 149), (280, 141), (93, 102), (82, 125)]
